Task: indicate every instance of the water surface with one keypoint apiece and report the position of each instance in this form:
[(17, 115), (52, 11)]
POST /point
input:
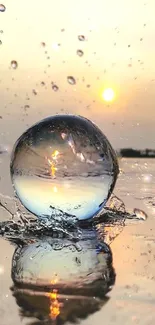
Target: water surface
[(132, 298)]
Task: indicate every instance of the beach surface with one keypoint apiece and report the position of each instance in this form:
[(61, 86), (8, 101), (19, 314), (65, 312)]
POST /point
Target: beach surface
[(131, 300)]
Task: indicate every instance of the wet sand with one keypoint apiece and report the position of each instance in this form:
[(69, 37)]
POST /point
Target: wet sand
[(132, 297)]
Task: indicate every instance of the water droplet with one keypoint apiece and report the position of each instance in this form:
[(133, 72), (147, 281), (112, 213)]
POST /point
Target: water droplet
[(3, 148), (63, 163), (43, 44), (2, 8), (140, 214), (26, 107), (81, 38), (55, 87), (14, 64), (34, 92), (141, 39), (71, 80), (1, 31), (79, 52)]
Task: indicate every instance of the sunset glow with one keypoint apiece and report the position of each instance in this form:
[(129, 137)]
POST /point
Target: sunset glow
[(54, 156), (54, 304), (108, 94)]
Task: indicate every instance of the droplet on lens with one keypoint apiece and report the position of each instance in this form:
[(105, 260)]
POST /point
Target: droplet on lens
[(79, 52), (81, 38), (71, 80), (14, 64), (2, 8), (64, 163)]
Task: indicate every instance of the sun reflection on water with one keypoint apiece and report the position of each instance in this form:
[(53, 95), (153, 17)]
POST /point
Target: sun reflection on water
[(55, 305), (53, 163)]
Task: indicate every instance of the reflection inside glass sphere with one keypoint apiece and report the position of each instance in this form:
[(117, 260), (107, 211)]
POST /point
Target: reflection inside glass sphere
[(64, 162), (59, 279)]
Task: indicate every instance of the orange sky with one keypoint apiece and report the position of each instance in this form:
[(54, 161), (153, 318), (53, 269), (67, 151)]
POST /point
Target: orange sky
[(119, 52)]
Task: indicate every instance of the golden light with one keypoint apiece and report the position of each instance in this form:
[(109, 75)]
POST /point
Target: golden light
[(55, 280), (55, 154), (53, 169), (108, 94), (55, 189), (54, 304)]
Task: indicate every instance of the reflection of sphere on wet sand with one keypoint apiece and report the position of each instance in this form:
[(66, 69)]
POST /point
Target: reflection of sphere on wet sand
[(67, 308), (58, 278)]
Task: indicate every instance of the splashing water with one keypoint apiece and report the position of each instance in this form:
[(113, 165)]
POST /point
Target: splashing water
[(20, 226), (140, 214), (62, 267), (54, 272), (64, 163)]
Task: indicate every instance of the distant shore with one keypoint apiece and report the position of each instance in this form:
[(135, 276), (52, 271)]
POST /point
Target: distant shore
[(133, 153)]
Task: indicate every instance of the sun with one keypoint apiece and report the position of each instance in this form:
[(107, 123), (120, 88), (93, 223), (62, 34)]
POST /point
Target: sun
[(108, 94)]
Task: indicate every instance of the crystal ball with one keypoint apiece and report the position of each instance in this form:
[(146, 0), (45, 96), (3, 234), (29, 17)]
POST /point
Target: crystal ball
[(63, 163)]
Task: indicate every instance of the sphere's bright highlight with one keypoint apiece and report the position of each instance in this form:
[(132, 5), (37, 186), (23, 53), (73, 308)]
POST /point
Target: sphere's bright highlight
[(64, 163), (108, 94)]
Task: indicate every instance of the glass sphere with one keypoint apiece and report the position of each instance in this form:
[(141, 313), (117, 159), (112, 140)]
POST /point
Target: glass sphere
[(63, 163)]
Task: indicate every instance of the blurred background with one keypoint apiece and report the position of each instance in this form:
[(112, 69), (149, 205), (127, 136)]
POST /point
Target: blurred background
[(93, 58)]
